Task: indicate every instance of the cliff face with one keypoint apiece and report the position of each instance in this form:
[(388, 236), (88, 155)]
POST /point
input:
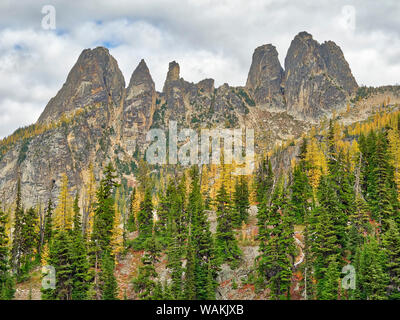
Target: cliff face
[(95, 119), (317, 79), (95, 78), (265, 77)]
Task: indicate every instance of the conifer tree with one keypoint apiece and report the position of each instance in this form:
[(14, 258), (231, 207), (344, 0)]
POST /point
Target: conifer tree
[(202, 242), (226, 243), (6, 280), (145, 284), (63, 214), (17, 235), (241, 202), (372, 277), (48, 224), (145, 215), (109, 285), (274, 264), (391, 244), (104, 212), (190, 282)]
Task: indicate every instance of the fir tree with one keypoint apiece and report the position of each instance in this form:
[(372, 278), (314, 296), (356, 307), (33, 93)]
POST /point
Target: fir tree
[(6, 280), (226, 243), (48, 225), (391, 244), (18, 235), (108, 282), (145, 284), (202, 242), (145, 215), (104, 212), (241, 202)]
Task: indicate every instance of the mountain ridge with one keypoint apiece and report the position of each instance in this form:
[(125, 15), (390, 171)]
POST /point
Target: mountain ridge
[(96, 118)]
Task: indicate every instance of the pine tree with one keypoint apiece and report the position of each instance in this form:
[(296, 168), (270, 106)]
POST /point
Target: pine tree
[(330, 282), (104, 212), (372, 278), (175, 265), (391, 244), (60, 258), (17, 235), (48, 224), (190, 281), (264, 180), (79, 258), (274, 264), (30, 236), (202, 242), (77, 215), (63, 218), (241, 202), (132, 214), (109, 285), (226, 243), (145, 284), (145, 215)]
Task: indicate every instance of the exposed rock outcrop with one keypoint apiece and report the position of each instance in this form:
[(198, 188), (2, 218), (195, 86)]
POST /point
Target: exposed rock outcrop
[(114, 120), (265, 77), (139, 105), (317, 77)]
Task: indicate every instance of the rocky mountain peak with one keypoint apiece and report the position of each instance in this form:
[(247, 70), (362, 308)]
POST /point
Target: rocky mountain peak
[(317, 77), (265, 76), (139, 103), (141, 75), (95, 78), (172, 75)]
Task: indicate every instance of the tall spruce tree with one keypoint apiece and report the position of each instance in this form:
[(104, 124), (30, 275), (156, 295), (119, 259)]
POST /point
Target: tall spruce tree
[(226, 242), (205, 265), (6, 280)]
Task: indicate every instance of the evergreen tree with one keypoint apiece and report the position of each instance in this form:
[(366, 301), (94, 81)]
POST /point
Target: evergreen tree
[(145, 284), (104, 212), (241, 202), (190, 281), (205, 265), (61, 259), (131, 216), (226, 243), (372, 278), (145, 215), (48, 224), (391, 244), (276, 244), (108, 282), (6, 281), (17, 235)]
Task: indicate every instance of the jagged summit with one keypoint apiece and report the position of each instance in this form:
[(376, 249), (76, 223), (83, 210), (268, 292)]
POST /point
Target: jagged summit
[(265, 76), (317, 79), (94, 78), (141, 75), (279, 103), (172, 75)]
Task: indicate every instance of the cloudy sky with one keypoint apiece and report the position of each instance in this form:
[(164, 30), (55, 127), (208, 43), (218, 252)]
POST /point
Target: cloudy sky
[(208, 38)]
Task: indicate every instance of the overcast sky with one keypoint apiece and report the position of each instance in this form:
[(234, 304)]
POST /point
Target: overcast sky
[(208, 38)]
